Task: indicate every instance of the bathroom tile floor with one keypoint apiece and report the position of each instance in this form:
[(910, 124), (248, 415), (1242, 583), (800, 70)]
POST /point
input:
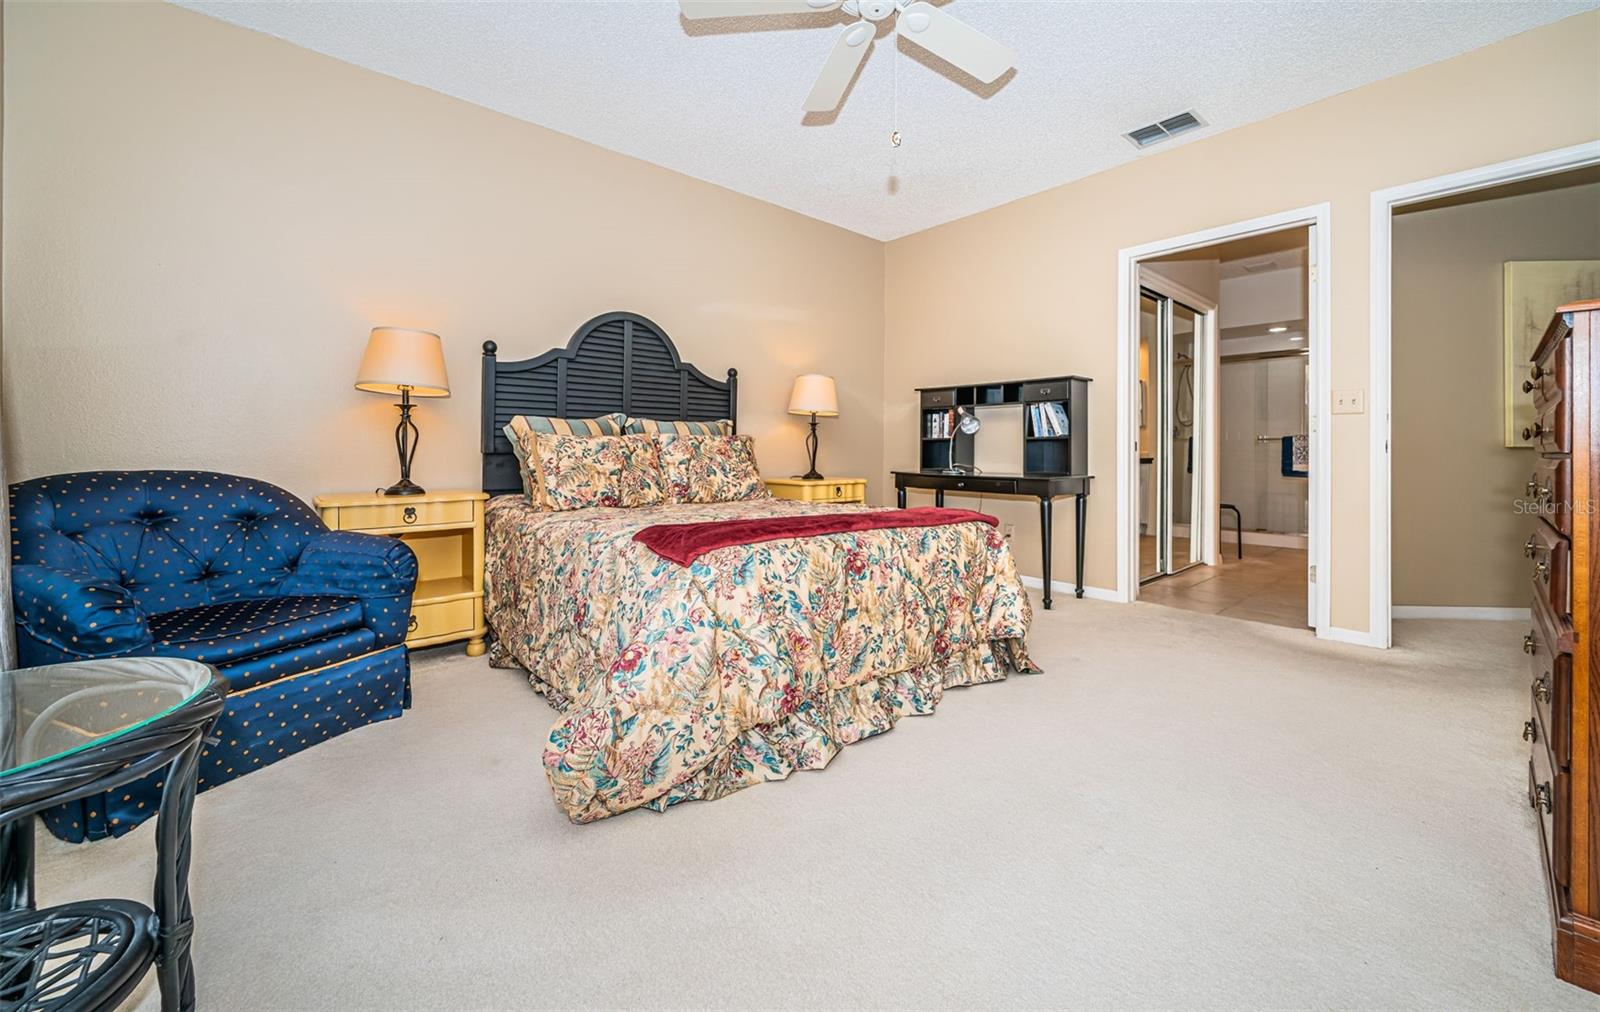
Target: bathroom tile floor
[(1267, 585)]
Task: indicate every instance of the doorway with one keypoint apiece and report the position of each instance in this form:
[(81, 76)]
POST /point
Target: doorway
[(1251, 442), (1169, 420)]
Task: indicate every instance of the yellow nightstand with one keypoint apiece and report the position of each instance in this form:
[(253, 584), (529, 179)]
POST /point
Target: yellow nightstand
[(819, 489), (445, 529)]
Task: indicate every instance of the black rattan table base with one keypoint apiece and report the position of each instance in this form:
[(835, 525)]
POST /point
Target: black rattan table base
[(75, 956)]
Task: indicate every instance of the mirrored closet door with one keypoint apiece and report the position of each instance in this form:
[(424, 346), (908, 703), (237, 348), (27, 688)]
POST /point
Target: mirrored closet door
[(1170, 458)]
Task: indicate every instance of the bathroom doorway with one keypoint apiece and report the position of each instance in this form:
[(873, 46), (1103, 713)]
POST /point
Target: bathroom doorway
[(1225, 443)]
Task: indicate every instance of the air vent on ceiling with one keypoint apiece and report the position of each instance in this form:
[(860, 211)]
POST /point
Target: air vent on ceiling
[(1169, 127)]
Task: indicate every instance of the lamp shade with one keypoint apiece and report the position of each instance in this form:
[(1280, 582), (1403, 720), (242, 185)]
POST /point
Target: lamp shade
[(398, 359), (814, 395)]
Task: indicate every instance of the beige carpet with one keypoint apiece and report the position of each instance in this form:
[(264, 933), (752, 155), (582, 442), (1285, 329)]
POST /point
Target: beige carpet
[(1185, 810)]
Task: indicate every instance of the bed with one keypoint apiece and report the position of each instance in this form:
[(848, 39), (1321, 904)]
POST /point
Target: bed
[(689, 682)]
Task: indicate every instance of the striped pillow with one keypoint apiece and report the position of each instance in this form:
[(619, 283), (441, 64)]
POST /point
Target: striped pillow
[(523, 429), (722, 427)]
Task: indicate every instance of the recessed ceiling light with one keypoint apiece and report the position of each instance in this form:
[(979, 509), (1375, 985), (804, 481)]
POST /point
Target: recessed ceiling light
[(1276, 330), (1297, 337)]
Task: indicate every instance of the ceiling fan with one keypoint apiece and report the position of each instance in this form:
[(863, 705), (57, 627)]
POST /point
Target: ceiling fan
[(928, 26)]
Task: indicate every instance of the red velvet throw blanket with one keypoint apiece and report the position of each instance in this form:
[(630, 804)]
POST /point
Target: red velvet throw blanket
[(683, 543)]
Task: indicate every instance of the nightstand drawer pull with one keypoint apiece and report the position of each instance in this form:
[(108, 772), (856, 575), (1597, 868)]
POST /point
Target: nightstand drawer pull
[(411, 626), (410, 515)]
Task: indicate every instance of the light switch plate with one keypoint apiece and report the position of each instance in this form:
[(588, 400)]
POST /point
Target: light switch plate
[(1349, 402)]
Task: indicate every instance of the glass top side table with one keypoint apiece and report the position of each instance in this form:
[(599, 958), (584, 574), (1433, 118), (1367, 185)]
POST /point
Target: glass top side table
[(68, 731)]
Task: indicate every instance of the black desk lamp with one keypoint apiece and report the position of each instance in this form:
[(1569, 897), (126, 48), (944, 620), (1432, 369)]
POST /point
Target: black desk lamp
[(409, 363), (814, 395)]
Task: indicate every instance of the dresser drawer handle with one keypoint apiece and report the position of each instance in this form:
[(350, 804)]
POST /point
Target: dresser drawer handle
[(1531, 487), (1527, 386), (1537, 372), (1542, 493), (1541, 798), (1541, 689), (1533, 433), (1527, 547), (1541, 571), (1527, 644), (1530, 731), (411, 626), (410, 515)]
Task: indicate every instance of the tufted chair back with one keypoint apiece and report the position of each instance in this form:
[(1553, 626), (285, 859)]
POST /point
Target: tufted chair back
[(173, 539)]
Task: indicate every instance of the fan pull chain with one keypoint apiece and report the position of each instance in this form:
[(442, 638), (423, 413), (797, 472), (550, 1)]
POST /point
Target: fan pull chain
[(894, 114)]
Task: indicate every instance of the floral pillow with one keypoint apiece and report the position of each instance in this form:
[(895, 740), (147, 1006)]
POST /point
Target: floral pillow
[(520, 432), (574, 472), (701, 469), (721, 427)]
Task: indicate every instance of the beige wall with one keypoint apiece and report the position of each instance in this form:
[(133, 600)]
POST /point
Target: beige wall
[(1030, 288), (1457, 537), (201, 224)]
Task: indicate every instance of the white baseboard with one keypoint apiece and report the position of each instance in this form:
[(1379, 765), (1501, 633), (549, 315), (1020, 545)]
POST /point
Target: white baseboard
[(1479, 614), (1267, 539), (1059, 587), (1353, 636)]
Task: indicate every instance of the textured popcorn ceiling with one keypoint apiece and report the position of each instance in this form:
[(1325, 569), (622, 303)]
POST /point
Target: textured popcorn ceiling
[(720, 100)]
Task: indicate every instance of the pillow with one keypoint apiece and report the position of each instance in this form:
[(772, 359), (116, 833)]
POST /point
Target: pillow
[(724, 427), (522, 428), (700, 469), (573, 472)]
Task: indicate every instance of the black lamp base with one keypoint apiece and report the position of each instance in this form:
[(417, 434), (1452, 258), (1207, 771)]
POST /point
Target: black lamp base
[(811, 449), (405, 486), (405, 444)]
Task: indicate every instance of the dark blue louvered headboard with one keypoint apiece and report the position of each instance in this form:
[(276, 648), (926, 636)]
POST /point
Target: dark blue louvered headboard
[(615, 362)]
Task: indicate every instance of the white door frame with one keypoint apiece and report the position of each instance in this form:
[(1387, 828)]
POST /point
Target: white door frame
[(1207, 373), (1319, 215), (1383, 204)]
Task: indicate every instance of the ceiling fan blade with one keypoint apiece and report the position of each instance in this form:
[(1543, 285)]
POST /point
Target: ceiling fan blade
[(955, 42), (695, 10), (843, 60)]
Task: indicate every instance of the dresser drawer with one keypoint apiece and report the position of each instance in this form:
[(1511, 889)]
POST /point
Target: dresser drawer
[(1549, 795), (400, 515), (442, 618), (1549, 490), (1552, 427), (938, 398), (1552, 557), (1550, 680)]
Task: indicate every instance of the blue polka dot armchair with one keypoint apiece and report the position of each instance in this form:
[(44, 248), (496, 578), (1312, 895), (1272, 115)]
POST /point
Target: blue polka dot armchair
[(307, 625)]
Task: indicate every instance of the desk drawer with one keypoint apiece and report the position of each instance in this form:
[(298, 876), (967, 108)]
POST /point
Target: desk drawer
[(978, 483), (938, 398), (1052, 391), (443, 618), (403, 514), (1550, 491)]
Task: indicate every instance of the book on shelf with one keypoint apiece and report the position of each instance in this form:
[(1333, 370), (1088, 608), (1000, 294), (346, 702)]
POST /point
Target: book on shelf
[(1058, 418)]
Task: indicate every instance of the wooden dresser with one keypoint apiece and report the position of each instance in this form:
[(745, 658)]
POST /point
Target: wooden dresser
[(1564, 727)]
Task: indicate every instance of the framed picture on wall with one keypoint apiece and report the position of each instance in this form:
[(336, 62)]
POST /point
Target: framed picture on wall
[(1533, 290)]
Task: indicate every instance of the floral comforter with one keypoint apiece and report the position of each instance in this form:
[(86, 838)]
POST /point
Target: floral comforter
[(678, 683)]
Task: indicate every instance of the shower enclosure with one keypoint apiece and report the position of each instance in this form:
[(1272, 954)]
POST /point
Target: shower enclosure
[(1170, 418)]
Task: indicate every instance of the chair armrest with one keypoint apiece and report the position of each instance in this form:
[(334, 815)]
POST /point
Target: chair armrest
[(379, 571), (63, 616)]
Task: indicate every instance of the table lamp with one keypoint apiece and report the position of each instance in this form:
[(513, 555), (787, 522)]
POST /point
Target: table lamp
[(409, 363), (814, 395)]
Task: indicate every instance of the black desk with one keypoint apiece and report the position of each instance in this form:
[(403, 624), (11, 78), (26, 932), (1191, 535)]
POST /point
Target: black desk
[(1045, 487)]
